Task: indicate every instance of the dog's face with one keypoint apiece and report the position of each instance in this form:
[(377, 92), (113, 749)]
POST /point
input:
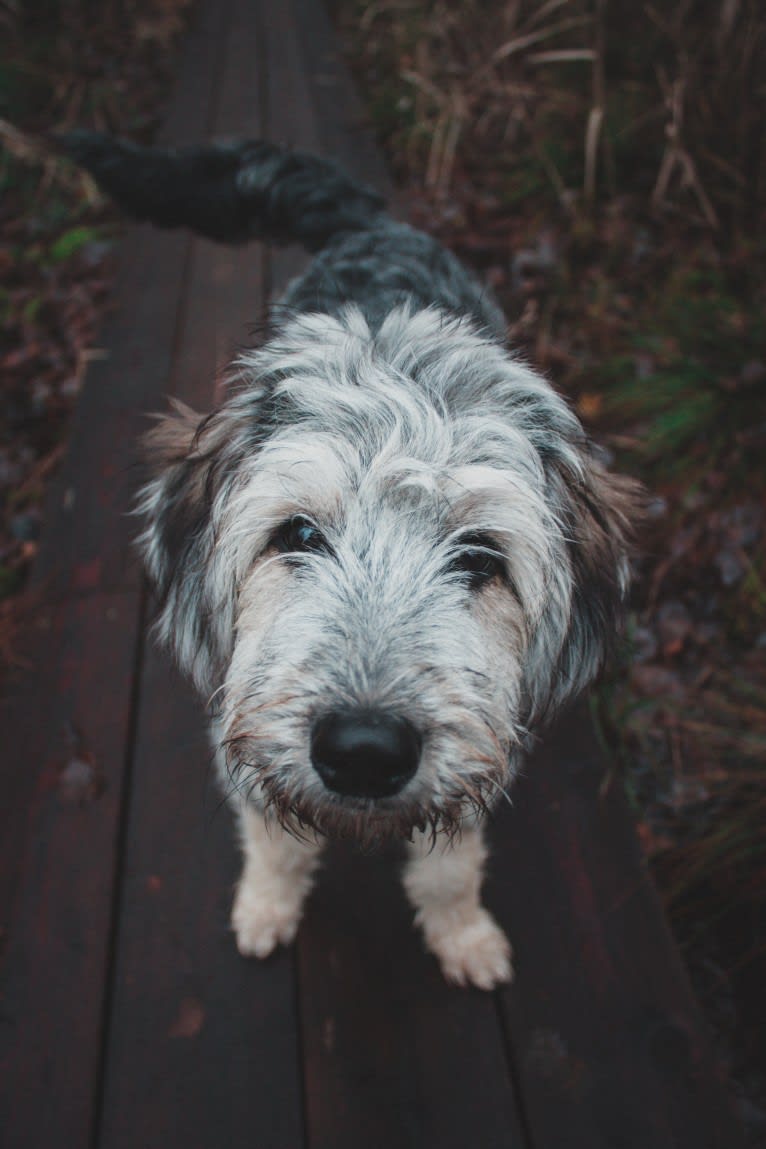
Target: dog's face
[(387, 557)]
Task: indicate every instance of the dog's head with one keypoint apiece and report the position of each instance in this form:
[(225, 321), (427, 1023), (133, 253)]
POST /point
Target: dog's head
[(388, 557)]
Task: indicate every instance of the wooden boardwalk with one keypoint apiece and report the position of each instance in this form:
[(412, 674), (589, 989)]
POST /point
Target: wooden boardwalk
[(127, 1018)]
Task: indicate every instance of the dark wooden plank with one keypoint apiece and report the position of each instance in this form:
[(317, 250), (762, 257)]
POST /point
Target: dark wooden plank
[(58, 932), (394, 1055), (86, 543), (202, 1047), (225, 285), (343, 124), (289, 117), (224, 303), (60, 862), (608, 1043)]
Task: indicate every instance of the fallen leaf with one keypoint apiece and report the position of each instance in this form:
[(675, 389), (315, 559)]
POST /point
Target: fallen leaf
[(189, 1020), (674, 624), (589, 404), (730, 566), (657, 682), (82, 779)]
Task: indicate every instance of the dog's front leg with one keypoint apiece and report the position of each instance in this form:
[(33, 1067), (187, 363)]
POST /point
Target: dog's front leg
[(276, 878), (443, 884)]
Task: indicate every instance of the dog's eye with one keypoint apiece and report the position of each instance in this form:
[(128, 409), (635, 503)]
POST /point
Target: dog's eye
[(300, 535), (479, 559)]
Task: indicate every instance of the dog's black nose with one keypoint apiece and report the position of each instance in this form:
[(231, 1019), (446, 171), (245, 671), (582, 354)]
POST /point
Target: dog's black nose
[(365, 753)]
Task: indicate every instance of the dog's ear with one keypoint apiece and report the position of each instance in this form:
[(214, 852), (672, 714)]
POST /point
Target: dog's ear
[(188, 457), (599, 513), (173, 499)]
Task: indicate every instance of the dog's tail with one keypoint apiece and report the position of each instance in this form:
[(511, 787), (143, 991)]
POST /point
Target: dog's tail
[(231, 192)]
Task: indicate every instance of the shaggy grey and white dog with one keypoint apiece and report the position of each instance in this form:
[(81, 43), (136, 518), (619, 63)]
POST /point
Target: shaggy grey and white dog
[(386, 558)]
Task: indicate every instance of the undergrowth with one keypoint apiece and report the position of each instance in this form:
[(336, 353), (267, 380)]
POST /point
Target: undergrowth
[(62, 64)]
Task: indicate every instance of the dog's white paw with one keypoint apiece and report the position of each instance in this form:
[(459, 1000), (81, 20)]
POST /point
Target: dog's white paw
[(260, 923), (476, 952)]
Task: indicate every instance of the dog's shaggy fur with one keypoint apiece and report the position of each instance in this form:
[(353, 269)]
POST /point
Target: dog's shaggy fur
[(391, 524)]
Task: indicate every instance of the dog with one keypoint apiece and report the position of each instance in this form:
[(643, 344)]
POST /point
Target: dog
[(386, 559)]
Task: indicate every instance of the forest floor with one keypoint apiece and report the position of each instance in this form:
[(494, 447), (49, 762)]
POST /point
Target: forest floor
[(616, 207)]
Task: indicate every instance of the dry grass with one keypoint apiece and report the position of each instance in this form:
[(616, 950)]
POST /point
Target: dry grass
[(679, 85)]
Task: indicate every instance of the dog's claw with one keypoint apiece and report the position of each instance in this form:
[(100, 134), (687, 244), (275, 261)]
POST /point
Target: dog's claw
[(261, 925), (477, 953)]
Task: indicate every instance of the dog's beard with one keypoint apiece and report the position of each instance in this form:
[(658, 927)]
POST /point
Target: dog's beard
[(469, 742), (436, 581), (302, 805), (399, 462)]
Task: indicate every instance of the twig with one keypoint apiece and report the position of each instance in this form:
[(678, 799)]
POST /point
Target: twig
[(562, 56), (596, 114), (512, 47), (676, 158), (592, 136)]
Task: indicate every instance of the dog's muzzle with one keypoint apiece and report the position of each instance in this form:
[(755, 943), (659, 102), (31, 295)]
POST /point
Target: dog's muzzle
[(365, 753)]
